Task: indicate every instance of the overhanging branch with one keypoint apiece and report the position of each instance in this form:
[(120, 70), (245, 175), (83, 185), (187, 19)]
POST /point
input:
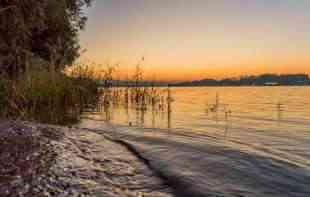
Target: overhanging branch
[(7, 8)]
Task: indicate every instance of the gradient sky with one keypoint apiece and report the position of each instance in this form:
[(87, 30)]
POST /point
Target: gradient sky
[(194, 39)]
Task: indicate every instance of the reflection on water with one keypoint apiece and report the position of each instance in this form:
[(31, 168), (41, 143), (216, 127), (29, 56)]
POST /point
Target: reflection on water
[(197, 109), (277, 118), (139, 107), (239, 141)]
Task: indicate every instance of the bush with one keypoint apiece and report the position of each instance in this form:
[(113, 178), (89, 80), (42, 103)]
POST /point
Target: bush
[(44, 97)]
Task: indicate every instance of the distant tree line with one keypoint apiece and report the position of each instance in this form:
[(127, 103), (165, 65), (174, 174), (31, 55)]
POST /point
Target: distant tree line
[(260, 80), (39, 32)]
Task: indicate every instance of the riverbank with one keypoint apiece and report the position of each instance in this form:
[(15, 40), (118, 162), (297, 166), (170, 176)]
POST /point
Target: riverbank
[(41, 160)]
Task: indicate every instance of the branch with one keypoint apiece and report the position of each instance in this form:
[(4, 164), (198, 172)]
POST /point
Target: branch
[(7, 8)]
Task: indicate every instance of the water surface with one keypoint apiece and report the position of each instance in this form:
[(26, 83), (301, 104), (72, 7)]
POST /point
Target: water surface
[(229, 141)]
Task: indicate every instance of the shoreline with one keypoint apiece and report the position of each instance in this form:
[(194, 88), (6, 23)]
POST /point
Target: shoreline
[(60, 161), (203, 165)]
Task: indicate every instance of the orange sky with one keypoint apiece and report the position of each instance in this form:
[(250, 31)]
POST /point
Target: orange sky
[(185, 40)]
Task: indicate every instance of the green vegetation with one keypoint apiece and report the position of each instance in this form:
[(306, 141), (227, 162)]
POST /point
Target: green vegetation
[(38, 42), (44, 31), (38, 48), (47, 98)]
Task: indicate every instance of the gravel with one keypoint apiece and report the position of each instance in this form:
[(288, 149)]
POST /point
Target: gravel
[(42, 160)]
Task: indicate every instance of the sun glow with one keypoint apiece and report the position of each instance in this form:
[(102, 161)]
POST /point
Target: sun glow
[(201, 39)]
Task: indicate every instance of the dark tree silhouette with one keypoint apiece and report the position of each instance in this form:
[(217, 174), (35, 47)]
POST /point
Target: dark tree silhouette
[(260, 80), (40, 29)]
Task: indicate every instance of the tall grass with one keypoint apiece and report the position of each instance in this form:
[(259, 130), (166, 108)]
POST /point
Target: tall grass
[(137, 94), (39, 95)]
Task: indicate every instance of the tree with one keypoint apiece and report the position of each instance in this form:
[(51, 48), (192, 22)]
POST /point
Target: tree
[(17, 20), (44, 29)]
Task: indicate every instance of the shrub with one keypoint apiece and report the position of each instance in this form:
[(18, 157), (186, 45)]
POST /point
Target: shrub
[(49, 98)]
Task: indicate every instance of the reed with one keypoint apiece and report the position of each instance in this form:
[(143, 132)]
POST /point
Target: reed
[(137, 94), (56, 98), (220, 111)]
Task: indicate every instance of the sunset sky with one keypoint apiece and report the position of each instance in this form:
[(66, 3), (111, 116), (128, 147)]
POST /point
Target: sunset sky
[(194, 39)]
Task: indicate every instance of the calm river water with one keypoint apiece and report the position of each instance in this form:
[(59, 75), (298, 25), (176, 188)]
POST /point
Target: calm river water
[(222, 141)]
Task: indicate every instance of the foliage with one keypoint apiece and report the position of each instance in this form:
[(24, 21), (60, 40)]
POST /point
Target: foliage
[(45, 29), (42, 97)]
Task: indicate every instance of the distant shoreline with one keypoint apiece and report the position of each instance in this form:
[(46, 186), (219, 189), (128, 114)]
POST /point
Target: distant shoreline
[(242, 86), (265, 80), (193, 86)]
